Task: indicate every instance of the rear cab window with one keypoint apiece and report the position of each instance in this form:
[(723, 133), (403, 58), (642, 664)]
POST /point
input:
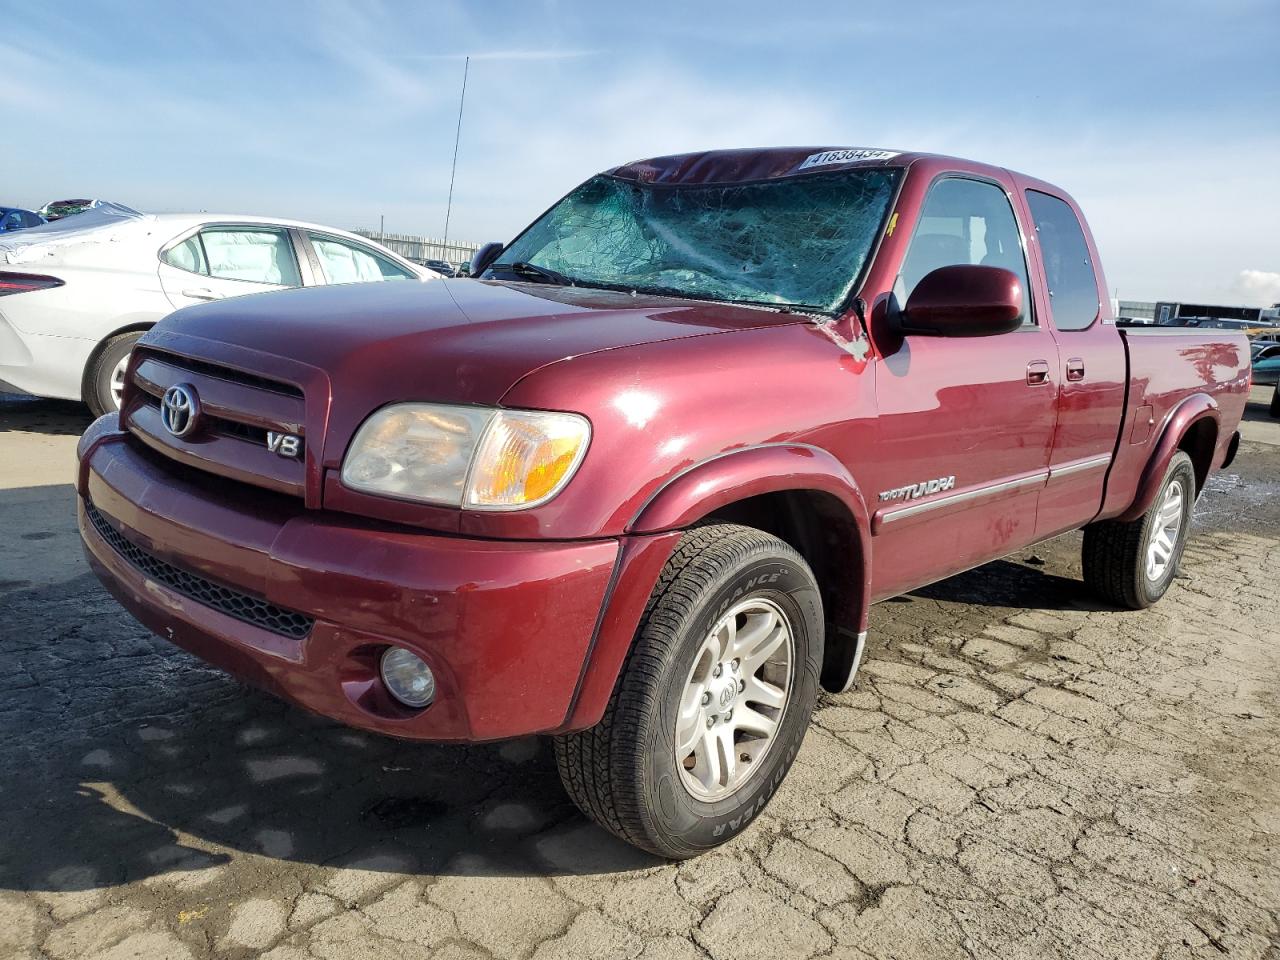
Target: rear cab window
[(1068, 267)]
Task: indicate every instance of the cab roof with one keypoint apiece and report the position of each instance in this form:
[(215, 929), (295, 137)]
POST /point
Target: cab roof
[(745, 165)]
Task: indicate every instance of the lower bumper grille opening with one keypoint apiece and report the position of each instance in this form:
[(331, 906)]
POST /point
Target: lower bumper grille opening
[(242, 606)]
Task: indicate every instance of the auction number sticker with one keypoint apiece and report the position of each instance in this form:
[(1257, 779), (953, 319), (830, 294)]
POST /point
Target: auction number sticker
[(846, 156)]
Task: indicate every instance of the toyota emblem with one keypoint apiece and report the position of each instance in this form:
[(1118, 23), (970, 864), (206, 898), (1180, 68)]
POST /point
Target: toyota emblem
[(180, 410)]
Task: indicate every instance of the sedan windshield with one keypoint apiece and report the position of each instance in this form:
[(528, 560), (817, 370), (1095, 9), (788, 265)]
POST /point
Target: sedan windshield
[(798, 242)]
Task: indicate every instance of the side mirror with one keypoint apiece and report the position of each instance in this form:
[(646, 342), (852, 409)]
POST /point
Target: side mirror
[(964, 301), (485, 256)]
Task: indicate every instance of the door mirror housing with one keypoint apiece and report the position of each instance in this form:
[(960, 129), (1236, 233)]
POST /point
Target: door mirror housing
[(964, 300), (485, 256)]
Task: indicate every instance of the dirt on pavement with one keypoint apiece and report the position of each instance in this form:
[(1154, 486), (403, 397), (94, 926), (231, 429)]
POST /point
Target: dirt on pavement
[(1021, 772)]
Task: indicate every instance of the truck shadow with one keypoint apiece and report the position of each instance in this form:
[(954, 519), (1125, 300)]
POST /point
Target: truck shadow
[(125, 759), (1019, 584)]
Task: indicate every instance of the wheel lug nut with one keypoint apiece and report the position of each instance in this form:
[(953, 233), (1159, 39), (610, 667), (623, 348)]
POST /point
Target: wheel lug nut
[(736, 662), (706, 698), (711, 722), (717, 670), (745, 757), (728, 716), (742, 685)]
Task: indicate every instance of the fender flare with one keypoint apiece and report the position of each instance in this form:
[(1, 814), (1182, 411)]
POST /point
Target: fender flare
[(777, 468), (748, 472), (1189, 412)]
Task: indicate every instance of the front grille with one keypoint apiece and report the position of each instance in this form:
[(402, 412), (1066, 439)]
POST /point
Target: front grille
[(230, 438), (218, 425), (228, 373), (242, 606)]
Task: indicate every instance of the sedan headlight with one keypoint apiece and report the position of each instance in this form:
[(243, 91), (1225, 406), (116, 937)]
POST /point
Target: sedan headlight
[(478, 457)]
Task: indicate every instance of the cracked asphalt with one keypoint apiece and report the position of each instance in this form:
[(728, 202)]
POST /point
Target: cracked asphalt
[(1019, 773)]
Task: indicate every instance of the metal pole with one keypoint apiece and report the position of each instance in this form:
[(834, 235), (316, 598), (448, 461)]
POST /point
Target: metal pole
[(382, 233), (457, 136)]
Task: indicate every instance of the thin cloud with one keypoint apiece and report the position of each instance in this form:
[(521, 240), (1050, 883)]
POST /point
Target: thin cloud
[(1261, 287), (508, 55)]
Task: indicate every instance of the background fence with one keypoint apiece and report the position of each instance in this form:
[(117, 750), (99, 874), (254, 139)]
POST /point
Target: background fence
[(424, 248)]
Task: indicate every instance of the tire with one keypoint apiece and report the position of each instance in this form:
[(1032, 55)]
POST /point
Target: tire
[(624, 772), (1275, 401), (1116, 555), (98, 393)]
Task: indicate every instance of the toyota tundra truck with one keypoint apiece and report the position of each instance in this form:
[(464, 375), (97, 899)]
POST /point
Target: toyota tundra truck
[(636, 483)]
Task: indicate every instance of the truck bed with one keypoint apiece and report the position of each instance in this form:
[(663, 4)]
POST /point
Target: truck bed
[(1168, 366)]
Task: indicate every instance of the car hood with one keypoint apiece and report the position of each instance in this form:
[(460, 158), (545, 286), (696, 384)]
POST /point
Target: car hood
[(464, 341), (451, 341)]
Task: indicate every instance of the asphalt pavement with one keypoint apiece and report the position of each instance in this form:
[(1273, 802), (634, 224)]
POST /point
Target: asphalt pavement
[(1021, 772)]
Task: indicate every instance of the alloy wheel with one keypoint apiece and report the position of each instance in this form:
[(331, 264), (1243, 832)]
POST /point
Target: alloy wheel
[(734, 698), (1162, 541)]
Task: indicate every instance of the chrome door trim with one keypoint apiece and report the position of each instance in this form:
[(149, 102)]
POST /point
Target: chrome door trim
[(1080, 466), (991, 489)]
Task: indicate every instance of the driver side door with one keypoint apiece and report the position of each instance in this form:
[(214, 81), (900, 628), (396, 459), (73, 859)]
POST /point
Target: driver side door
[(965, 423)]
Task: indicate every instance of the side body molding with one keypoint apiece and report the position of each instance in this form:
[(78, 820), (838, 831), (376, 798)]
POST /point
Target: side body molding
[(1193, 409)]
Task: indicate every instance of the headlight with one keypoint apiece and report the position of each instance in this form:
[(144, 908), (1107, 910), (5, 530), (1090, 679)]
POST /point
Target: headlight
[(480, 457)]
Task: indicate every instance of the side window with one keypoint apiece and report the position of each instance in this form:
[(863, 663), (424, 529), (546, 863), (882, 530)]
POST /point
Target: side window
[(251, 254), (1073, 287), (965, 222), (346, 262), (188, 255), (12, 221)]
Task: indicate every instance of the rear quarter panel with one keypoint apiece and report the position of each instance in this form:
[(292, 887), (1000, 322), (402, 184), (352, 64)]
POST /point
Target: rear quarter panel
[(1173, 372)]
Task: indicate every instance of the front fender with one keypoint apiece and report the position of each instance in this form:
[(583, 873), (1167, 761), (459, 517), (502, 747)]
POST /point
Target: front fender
[(1181, 418), (741, 474), (749, 472)]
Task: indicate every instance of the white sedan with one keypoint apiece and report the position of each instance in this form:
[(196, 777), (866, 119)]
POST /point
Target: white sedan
[(75, 295)]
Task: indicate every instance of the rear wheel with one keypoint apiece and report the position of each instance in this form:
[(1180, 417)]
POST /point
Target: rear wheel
[(713, 701), (1131, 564), (104, 381)]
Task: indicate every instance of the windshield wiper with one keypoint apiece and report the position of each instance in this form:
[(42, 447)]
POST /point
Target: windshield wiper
[(531, 271)]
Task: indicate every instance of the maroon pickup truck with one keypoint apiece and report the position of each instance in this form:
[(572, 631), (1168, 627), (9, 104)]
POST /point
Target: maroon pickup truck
[(636, 483)]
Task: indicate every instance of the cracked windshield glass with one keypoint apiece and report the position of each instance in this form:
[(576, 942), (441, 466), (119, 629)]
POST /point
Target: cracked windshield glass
[(797, 242)]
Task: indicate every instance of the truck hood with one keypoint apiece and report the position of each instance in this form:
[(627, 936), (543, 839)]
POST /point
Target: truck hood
[(355, 347), (461, 341)]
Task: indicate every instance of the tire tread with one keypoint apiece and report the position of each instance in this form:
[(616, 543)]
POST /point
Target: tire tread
[(597, 776), (1113, 552)]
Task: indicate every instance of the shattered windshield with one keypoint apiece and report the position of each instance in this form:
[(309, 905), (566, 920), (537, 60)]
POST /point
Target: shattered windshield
[(796, 242)]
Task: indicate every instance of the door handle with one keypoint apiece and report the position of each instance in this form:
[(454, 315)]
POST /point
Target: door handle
[(1037, 372), (200, 293), (1075, 369)]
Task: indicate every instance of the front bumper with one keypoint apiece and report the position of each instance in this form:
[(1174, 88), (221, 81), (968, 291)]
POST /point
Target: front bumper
[(505, 626)]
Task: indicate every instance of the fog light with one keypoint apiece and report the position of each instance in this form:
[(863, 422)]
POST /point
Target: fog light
[(407, 677)]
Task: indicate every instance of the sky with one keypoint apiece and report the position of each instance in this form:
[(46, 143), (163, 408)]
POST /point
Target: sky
[(1162, 119)]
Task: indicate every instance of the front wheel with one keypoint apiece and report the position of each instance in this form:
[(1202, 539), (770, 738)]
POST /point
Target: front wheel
[(713, 701), (1132, 564)]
